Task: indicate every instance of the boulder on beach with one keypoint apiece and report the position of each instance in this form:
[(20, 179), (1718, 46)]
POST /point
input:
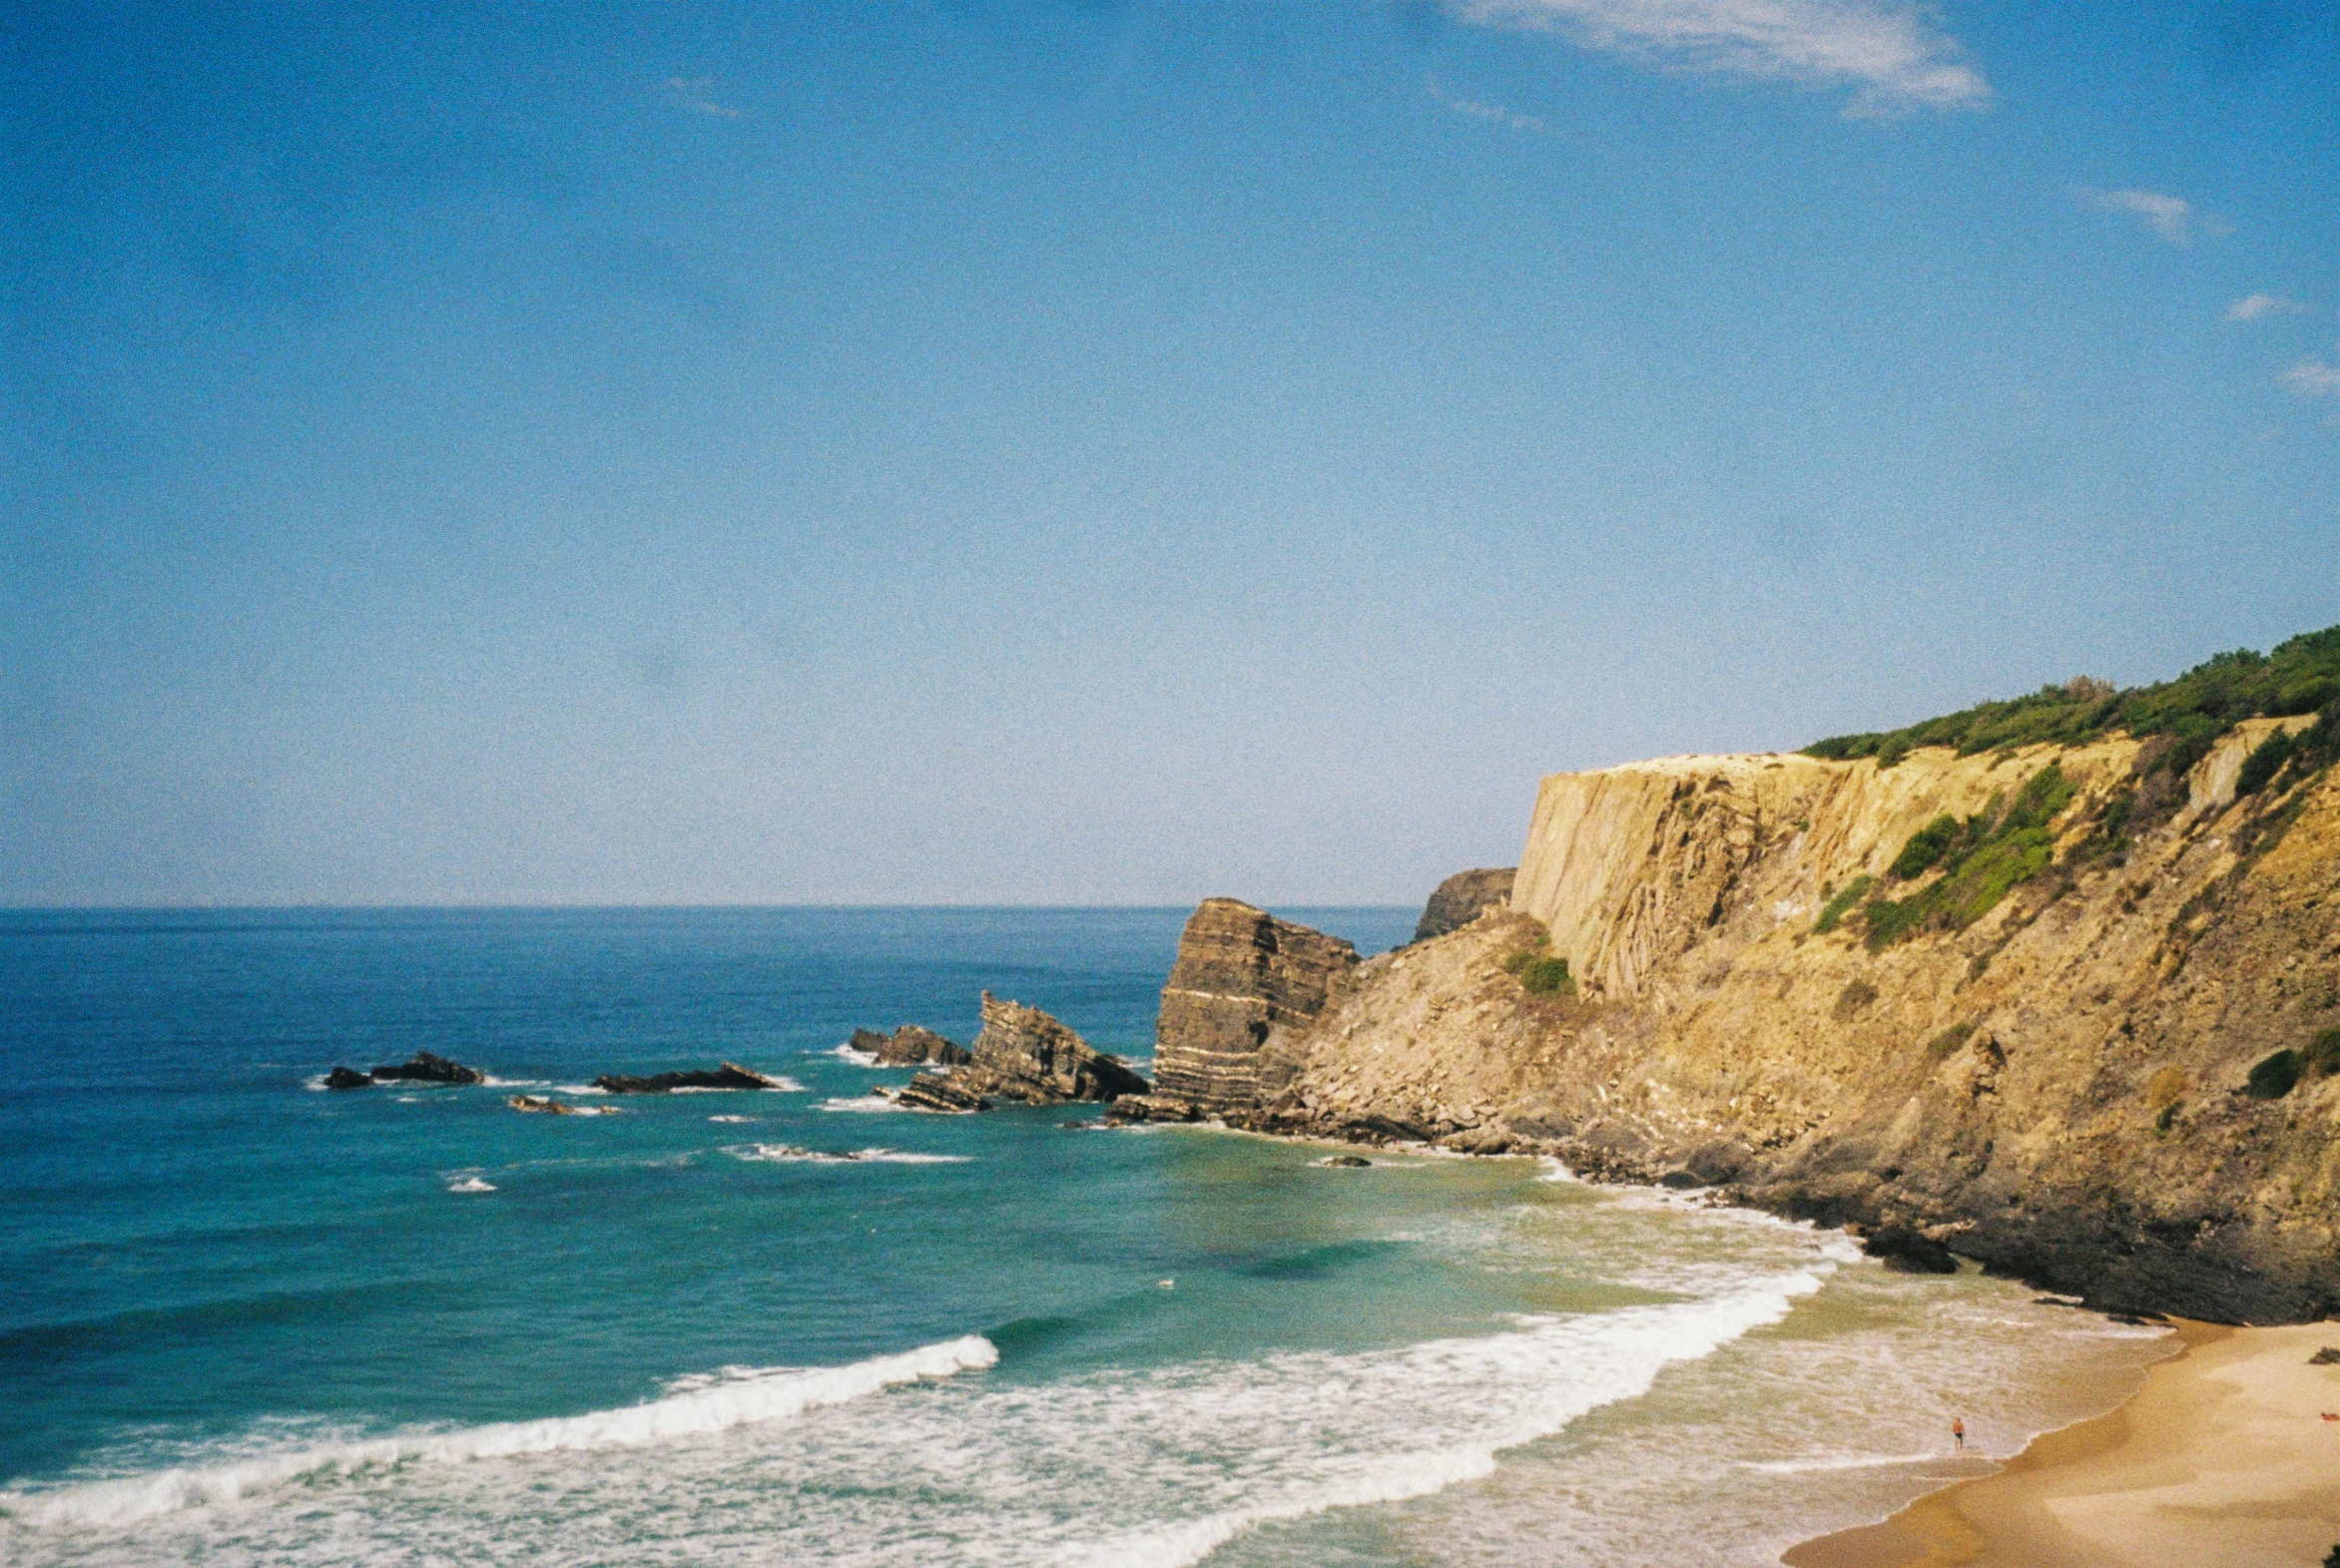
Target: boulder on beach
[(347, 1077), (731, 1075), (427, 1068)]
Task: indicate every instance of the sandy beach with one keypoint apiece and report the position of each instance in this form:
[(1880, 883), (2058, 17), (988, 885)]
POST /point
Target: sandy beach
[(2224, 1457)]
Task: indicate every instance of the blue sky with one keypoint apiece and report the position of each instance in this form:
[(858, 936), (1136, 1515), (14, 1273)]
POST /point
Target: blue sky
[(1060, 452)]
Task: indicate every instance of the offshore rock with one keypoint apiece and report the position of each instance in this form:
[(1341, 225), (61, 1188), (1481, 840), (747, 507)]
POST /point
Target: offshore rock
[(731, 1075), (1023, 1054), (544, 1105), (1240, 976), (347, 1077), (1462, 898), (1151, 1107), (910, 1046), (429, 1069), (940, 1092), (2057, 1090)]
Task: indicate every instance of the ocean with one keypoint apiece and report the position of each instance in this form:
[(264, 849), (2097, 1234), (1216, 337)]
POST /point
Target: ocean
[(244, 1320)]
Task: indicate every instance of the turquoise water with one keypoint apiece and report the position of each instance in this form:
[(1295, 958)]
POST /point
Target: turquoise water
[(244, 1319)]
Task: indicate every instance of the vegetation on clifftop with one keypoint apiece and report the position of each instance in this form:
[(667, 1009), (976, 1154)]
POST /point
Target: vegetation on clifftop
[(2301, 676)]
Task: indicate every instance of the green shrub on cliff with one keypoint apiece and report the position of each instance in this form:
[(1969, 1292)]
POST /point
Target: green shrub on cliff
[(1545, 976), (2301, 676), (2264, 762), (1982, 859), (1841, 903), (1926, 847), (2273, 1077)]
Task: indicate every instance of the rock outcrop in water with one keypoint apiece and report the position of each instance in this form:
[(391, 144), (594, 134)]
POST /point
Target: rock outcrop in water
[(427, 1068), (1025, 1055), (1239, 975), (349, 1078), (2061, 1086), (1462, 898), (938, 1092), (731, 1075), (909, 1046)]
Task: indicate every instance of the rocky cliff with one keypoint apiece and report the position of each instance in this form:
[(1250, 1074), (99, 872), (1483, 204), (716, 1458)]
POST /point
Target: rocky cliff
[(1462, 898), (1239, 975), (2012, 1000)]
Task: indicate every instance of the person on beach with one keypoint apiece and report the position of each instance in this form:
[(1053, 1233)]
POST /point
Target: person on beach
[(1957, 1433)]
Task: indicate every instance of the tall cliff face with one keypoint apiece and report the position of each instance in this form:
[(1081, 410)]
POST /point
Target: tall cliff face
[(1239, 975), (2058, 1087)]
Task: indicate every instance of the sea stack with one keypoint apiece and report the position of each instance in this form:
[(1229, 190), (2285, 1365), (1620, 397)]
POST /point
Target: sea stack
[(1239, 975)]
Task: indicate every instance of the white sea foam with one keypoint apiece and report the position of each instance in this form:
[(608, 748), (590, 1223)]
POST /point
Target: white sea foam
[(471, 1184), (739, 1396), (861, 1102), (858, 1058), (790, 1154), (731, 1118)]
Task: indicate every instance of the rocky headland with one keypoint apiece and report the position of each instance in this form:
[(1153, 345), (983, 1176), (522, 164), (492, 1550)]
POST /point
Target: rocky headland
[(2070, 1008)]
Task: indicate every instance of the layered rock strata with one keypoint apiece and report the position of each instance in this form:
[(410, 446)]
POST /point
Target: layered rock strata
[(909, 1046), (1025, 1055), (1462, 898), (1239, 975), (937, 1092), (2061, 1088)]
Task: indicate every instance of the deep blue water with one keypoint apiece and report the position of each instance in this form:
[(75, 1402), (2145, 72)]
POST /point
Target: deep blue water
[(245, 1320)]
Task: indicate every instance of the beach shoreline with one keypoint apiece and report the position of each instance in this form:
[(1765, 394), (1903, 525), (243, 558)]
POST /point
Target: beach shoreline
[(2223, 1456)]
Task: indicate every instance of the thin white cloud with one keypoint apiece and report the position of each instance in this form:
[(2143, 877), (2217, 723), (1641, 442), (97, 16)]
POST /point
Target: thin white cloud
[(2313, 378), (2173, 218), (1492, 114), (2251, 306), (1888, 50), (691, 91)]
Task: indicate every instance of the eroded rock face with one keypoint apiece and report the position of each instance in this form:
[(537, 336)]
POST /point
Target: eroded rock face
[(429, 1069), (1025, 1055), (910, 1046), (1462, 898), (731, 1075), (1239, 975)]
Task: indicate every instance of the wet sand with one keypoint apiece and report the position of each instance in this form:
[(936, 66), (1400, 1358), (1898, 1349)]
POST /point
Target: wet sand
[(2222, 1460)]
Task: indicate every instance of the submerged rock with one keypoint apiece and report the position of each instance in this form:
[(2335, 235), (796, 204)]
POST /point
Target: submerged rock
[(731, 1075), (1345, 1162), (938, 1092), (1462, 898), (427, 1068), (347, 1077), (1239, 975), (910, 1046), (1023, 1054), (527, 1102)]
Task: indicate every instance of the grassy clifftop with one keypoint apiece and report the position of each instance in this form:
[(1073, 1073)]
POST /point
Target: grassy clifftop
[(2301, 676)]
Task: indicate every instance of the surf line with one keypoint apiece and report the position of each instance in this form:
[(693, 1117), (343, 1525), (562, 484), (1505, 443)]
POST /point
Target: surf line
[(762, 1395)]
